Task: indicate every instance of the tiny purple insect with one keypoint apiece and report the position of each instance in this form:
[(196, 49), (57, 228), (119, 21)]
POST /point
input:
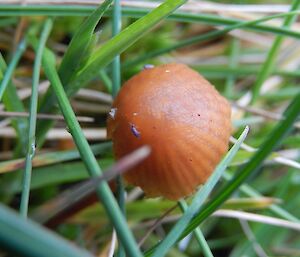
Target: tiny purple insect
[(148, 66), (134, 131)]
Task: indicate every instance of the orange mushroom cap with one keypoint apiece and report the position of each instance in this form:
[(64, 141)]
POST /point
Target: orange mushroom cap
[(184, 120)]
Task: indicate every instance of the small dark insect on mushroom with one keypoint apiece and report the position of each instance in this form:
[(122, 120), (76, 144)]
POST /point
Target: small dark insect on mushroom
[(134, 131)]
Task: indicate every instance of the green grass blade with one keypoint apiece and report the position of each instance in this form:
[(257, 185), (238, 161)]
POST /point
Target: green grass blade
[(272, 54), (207, 36), (71, 10), (11, 67), (8, 21), (277, 210), (32, 119), (77, 49), (27, 238), (106, 80), (234, 49), (116, 28), (198, 200), (116, 84), (272, 141), (212, 19), (59, 174), (105, 54), (13, 103), (220, 71), (88, 158), (198, 233), (46, 159)]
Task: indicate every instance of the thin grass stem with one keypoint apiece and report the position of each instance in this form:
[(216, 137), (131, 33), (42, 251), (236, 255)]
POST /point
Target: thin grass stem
[(116, 84), (103, 190), (11, 67), (12, 102), (106, 80), (277, 210), (233, 61), (203, 37), (116, 28), (32, 119), (198, 233), (220, 71), (272, 54)]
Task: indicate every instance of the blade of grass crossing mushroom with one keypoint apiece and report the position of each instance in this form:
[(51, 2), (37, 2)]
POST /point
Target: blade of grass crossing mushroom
[(198, 233), (273, 140), (27, 238), (89, 159), (207, 36), (270, 61), (32, 119), (116, 84), (198, 200)]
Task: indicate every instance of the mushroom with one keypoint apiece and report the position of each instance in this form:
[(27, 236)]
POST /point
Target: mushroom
[(184, 120)]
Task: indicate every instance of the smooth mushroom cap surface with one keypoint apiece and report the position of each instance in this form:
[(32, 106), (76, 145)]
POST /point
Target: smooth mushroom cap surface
[(184, 120)]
